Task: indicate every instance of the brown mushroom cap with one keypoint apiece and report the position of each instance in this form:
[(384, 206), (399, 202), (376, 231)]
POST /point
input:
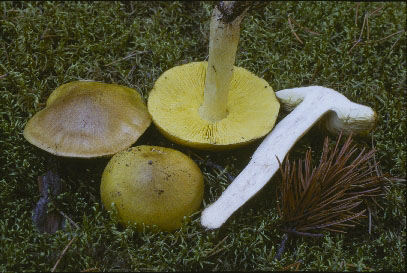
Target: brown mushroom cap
[(88, 119)]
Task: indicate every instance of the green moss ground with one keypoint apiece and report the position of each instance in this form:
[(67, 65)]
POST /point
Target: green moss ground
[(46, 44)]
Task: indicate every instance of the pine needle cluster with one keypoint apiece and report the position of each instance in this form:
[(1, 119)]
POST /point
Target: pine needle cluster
[(331, 196)]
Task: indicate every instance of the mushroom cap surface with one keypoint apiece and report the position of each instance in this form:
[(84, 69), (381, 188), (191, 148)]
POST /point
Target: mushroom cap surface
[(177, 95), (152, 186), (88, 119)]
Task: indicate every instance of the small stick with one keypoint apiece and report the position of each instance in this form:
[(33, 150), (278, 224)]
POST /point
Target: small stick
[(357, 42), (132, 8), (388, 36), (128, 56), (315, 73), (48, 36), (377, 204), (293, 31), (395, 42), (379, 174), (297, 264), (43, 34), (63, 253), (356, 15), (367, 26), (352, 7), (376, 10), (370, 217), (352, 265), (363, 27), (69, 219), (299, 233), (213, 252), (360, 36), (90, 269), (305, 28), (282, 247), (4, 75)]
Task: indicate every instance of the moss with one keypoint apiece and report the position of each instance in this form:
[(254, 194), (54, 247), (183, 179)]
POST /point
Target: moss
[(46, 44)]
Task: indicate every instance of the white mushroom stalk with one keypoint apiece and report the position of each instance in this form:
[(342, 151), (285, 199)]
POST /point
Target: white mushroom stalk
[(313, 102), (223, 41)]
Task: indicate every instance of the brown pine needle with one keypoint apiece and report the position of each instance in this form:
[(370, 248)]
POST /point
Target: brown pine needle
[(331, 196), (305, 28), (356, 15), (293, 31), (387, 37), (63, 253), (214, 250), (91, 269), (376, 10), (396, 41), (296, 264), (68, 218), (4, 75), (363, 27)]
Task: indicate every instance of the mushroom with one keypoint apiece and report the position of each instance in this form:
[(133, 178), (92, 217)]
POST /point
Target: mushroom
[(311, 103), (88, 119), (152, 186), (214, 105), (83, 119)]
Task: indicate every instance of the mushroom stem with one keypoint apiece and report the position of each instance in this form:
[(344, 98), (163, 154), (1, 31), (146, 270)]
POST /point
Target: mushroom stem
[(223, 40), (313, 102)]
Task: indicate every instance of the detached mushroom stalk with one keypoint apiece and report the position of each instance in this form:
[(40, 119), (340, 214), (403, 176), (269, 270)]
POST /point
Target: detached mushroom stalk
[(313, 103)]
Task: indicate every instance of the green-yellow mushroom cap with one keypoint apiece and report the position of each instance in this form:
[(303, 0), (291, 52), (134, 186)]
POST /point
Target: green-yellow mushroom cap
[(175, 100), (152, 185), (88, 119)]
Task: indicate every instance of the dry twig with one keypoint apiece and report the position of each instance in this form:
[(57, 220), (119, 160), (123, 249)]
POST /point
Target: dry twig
[(366, 23), (388, 36), (391, 48), (376, 10), (213, 252), (296, 264), (293, 31), (127, 57), (305, 28), (4, 75), (91, 269), (68, 218), (356, 14), (63, 253)]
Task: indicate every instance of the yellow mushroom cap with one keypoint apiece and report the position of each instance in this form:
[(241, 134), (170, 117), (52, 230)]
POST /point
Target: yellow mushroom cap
[(88, 119), (152, 186), (178, 93)]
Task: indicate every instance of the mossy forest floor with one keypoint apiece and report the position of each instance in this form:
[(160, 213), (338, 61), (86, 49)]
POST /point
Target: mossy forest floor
[(358, 49)]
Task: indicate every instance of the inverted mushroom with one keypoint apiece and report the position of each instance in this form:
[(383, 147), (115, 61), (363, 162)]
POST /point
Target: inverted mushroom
[(152, 186), (88, 119), (214, 105), (311, 104)]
